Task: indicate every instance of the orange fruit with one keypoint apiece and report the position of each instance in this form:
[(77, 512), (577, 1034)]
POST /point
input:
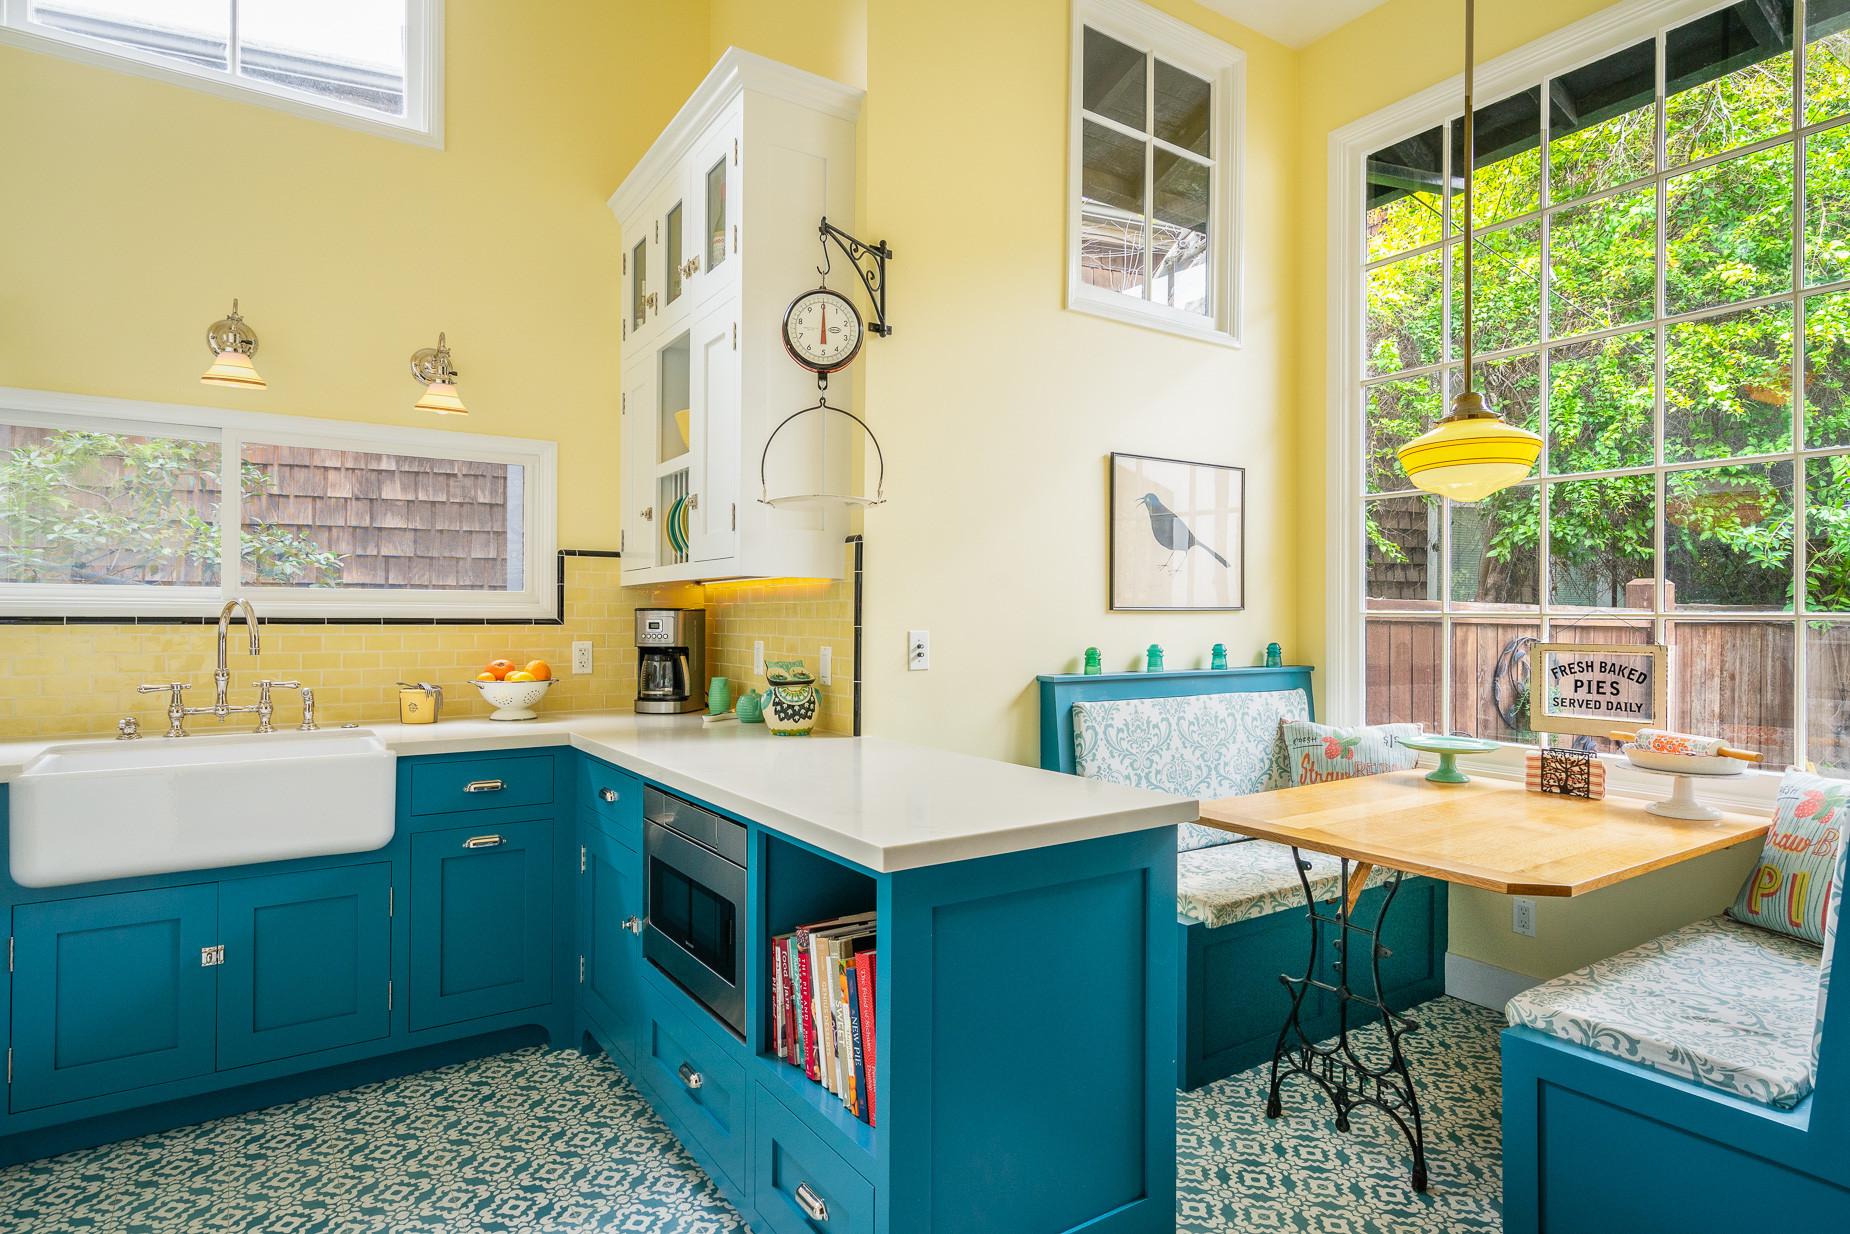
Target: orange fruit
[(520, 675), (500, 668), (541, 670), (486, 677)]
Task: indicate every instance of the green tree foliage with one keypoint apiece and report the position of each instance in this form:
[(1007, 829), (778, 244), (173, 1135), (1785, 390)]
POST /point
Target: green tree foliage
[(83, 507), (1728, 378)]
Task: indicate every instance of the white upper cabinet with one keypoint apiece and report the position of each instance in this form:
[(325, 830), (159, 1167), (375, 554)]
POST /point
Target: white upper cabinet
[(720, 225)]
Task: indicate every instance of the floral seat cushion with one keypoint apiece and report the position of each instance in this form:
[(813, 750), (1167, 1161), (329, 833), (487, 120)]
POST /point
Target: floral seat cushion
[(1204, 746), (1237, 882), (1719, 1003)]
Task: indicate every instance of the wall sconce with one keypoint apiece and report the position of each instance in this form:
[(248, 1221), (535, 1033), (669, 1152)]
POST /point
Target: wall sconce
[(431, 365), (233, 344)]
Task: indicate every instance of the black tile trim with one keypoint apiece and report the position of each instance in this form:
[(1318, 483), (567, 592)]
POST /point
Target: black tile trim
[(558, 619)]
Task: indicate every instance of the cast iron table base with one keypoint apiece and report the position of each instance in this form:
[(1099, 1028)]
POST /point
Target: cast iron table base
[(1347, 1079)]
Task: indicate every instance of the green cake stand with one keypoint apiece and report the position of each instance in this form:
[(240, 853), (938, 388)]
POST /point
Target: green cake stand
[(1448, 749)]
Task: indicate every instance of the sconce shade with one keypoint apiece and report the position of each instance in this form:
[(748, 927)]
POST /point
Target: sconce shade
[(232, 368), (441, 397), (1470, 454)]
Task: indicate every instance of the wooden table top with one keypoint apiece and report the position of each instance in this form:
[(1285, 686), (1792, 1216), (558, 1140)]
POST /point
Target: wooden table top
[(1489, 833)]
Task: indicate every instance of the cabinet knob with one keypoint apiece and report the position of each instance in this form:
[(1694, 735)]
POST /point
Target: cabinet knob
[(633, 924), (691, 266), (608, 794), (693, 501), (690, 1077), (811, 1203), (648, 512)]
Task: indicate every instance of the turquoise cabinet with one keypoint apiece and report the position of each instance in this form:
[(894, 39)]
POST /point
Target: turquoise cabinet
[(696, 1081), (112, 992), (799, 1184), (610, 911), (481, 920), (307, 962)]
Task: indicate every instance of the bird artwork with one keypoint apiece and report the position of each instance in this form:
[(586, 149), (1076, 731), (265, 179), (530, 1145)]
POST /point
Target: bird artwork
[(1173, 534)]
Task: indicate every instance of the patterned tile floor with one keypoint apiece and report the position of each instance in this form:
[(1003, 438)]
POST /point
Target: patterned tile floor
[(544, 1141)]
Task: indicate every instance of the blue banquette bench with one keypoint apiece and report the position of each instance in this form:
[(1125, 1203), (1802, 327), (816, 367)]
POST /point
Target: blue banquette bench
[(1239, 906), (1687, 1084)]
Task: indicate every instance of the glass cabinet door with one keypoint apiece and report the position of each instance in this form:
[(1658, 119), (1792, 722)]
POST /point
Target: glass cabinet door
[(671, 254), (717, 221), (639, 285)]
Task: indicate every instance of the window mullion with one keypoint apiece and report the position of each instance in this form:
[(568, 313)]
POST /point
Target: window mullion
[(233, 47), (1149, 176), (1800, 701), (230, 512)]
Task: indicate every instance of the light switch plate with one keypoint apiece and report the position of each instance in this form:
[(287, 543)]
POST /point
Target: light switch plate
[(828, 665), (581, 657), (758, 659), (918, 650)]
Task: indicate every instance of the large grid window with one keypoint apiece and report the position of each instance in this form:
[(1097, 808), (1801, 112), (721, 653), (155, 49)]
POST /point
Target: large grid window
[(1663, 293)]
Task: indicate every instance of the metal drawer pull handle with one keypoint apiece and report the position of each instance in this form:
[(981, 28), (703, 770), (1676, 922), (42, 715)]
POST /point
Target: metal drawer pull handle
[(482, 841), (811, 1203), (690, 1077), (633, 924), (608, 794), (484, 786)]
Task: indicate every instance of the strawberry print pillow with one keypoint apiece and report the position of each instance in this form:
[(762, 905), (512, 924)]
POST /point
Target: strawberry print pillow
[(1790, 888), (1319, 752)]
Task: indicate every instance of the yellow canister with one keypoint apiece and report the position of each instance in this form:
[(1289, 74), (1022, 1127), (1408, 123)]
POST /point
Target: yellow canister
[(419, 704)]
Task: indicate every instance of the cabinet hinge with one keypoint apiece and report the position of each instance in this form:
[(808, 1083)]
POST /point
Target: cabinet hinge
[(9, 1064), (581, 859), (9, 955), (735, 237), (735, 336), (388, 996), (626, 263), (581, 970), (213, 956), (735, 516), (391, 901), (735, 152), (623, 539), (658, 231)]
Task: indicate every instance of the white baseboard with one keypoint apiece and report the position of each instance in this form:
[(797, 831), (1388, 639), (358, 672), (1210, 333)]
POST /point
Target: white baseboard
[(1484, 984)]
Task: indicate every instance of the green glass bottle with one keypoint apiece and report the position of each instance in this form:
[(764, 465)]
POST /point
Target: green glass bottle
[(1093, 665), (1153, 662), (1218, 658), (1274, 658)]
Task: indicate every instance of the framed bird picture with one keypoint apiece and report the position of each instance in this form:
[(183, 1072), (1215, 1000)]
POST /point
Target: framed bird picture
[(1178, 534)]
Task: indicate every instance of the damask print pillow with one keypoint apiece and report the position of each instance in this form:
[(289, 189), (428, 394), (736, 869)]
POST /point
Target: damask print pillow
[(1790, 889), (1320, 752)]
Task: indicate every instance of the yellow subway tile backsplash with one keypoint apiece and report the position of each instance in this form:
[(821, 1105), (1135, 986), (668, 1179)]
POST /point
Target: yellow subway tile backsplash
[(58, 680)]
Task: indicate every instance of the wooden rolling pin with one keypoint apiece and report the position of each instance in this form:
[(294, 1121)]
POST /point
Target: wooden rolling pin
[(1746, 756)]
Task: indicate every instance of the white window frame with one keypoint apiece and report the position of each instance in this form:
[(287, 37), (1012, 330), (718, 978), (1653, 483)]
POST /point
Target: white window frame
[(1223, 66), (421, 125), (538, 600), (1582, 42)]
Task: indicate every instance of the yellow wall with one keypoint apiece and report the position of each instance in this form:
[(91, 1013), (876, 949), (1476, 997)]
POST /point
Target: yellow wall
[(997, 407)]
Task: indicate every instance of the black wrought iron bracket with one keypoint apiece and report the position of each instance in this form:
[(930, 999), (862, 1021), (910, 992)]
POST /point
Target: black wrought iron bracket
[(869, 261), (1345, 1077)]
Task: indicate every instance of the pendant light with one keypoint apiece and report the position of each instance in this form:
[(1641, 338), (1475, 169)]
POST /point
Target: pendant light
[(233, 344), (1472, 452)]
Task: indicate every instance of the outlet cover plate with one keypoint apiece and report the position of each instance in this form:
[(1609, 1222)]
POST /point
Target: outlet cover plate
[(581, 657)]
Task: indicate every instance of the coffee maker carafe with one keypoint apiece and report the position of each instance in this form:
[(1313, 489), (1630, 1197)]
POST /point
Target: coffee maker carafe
[(671, 660)]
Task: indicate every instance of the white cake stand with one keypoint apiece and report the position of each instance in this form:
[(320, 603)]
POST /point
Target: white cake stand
[(1682, 802)]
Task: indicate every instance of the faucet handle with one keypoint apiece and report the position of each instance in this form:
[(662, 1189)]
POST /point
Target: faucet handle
[(175, 686), (128, 729)]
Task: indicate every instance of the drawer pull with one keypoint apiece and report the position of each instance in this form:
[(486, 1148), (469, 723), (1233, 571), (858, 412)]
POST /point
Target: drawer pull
[(482, 841), (633, 924), (811, 1203), (608, 794), (484, 786), (693, 1079)]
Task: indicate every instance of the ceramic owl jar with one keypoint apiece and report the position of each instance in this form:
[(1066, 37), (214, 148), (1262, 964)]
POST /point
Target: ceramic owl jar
[(792, 702)]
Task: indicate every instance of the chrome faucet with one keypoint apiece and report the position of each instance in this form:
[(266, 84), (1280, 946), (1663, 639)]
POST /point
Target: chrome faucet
[(221, 707)]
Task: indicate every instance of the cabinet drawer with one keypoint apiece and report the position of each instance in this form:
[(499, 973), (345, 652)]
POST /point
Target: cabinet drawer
[(799, 1184), (695, 1080), (481, 784), (616, 796)]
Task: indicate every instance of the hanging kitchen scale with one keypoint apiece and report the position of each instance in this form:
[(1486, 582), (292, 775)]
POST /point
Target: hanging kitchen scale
[(823, 331)]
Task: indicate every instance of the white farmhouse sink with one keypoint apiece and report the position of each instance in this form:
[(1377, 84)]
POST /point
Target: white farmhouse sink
[(114, 809)]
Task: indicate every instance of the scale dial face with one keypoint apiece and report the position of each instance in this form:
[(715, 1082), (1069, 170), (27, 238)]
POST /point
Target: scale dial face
[(823, 330)]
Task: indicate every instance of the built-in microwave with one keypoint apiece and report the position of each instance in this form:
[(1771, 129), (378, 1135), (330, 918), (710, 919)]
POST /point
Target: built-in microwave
[(694, 886)]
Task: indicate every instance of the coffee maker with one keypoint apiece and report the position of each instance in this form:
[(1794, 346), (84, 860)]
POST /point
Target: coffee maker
[(671, 669)]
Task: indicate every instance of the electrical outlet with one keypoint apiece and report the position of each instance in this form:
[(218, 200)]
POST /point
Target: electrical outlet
[(758, 659), (1522, 916), (828, 665), (581, 657), (918, 650)]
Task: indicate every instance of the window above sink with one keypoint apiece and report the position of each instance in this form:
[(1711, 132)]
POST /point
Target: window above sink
[(111, 508)]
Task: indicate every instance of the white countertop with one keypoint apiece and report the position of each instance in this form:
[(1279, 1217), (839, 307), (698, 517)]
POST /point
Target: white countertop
[(885, 805)]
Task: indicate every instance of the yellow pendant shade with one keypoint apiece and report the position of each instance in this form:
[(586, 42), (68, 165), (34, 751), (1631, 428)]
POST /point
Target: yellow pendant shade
[(1470, 454), (441, 397), (232, 368)]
